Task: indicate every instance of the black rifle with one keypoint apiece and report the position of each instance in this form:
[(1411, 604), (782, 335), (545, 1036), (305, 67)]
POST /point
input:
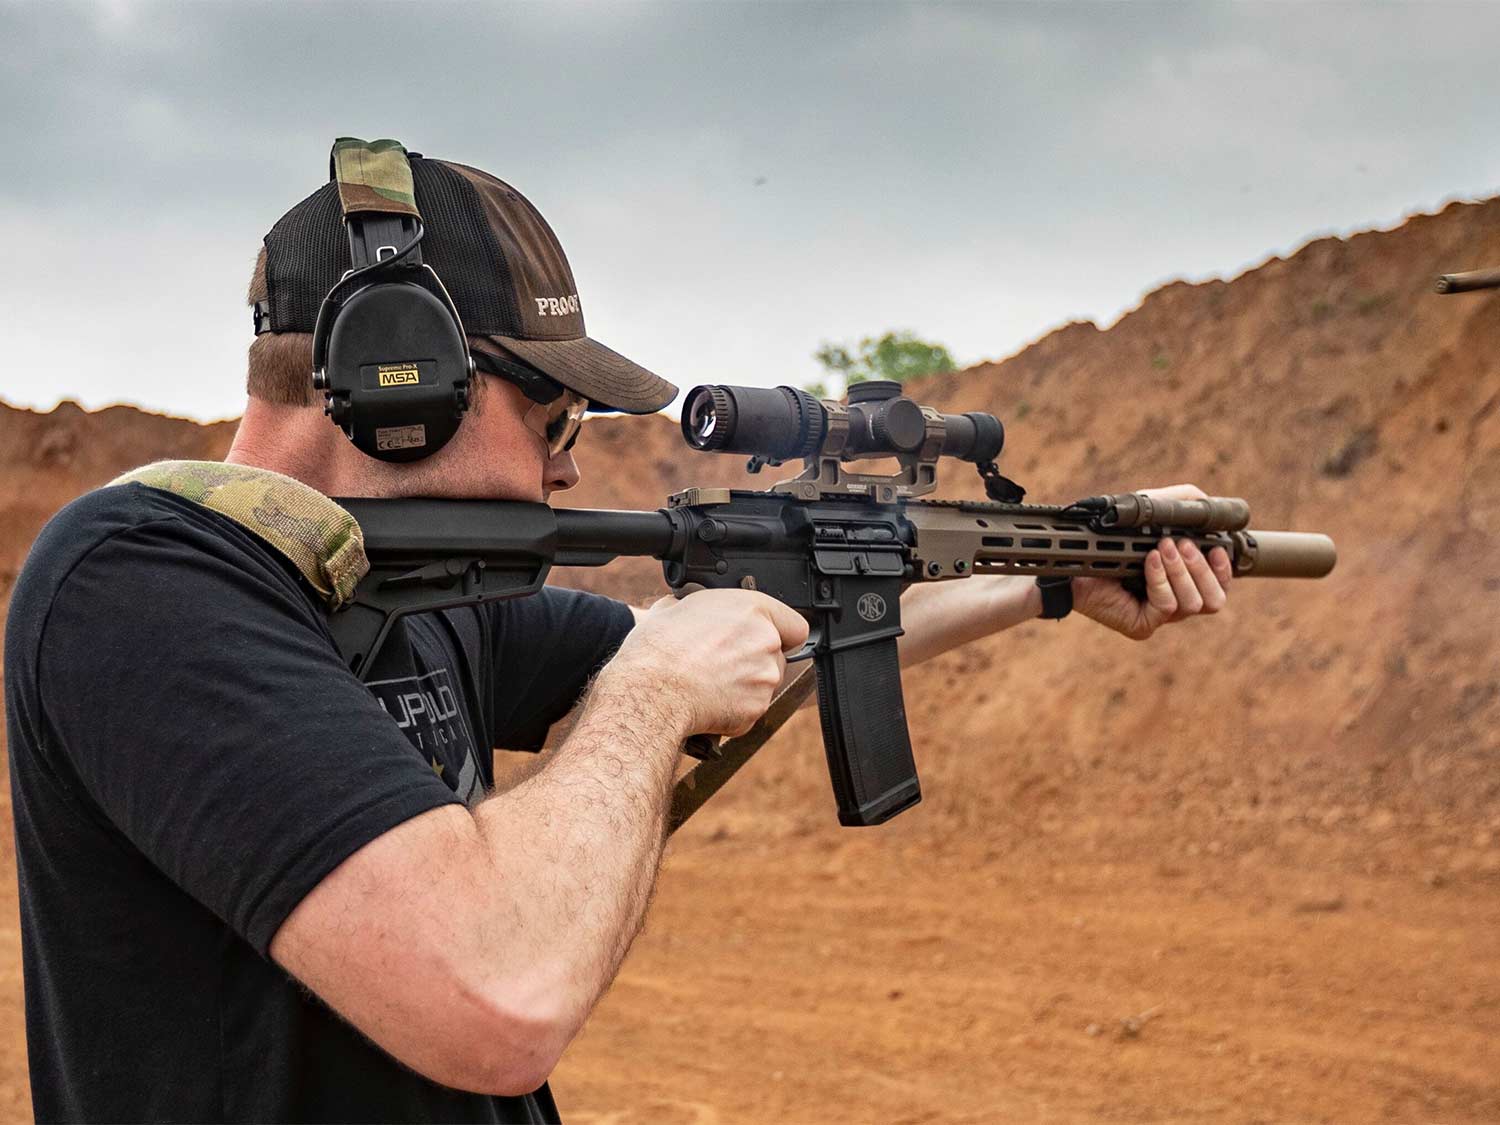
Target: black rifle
[(836, 545)]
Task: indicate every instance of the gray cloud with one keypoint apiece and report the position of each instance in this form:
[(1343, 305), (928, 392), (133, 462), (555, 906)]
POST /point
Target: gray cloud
[(776, 174)]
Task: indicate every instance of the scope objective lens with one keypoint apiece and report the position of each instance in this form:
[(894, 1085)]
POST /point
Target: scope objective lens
[(703, 420), (778, 423)]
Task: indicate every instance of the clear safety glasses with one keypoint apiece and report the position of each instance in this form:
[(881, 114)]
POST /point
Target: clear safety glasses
[(557, 422), (556, 413)]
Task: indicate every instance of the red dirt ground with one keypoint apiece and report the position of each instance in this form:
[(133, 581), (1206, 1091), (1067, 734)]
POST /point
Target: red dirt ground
[(1249, 871)]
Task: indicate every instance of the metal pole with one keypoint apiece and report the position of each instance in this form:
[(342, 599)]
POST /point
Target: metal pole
[(1465, 282)]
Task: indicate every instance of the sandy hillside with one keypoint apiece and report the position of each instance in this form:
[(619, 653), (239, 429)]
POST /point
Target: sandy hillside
[(1248, 871)]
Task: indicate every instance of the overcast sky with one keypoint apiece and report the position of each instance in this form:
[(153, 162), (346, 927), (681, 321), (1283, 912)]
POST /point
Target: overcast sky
[(733, 184)]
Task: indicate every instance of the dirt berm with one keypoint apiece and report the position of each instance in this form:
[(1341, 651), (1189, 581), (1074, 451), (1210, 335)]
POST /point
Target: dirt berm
[(1247, 871)]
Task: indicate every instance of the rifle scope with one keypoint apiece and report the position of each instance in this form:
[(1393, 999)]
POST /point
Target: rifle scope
[(783, 423)]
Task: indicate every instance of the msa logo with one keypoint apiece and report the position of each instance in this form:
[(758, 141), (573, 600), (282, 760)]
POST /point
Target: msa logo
[(556, 306), (398, 374), (870, 606)]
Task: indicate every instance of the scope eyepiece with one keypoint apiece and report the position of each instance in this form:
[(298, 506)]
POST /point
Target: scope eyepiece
[(975, 436)]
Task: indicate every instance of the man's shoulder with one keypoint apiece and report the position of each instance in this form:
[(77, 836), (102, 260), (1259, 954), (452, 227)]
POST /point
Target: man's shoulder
[(91, 518), (96, 517), (103, 519), (73, 532)]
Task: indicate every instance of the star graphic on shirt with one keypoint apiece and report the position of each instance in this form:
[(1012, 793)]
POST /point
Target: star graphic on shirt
[(437, 767)]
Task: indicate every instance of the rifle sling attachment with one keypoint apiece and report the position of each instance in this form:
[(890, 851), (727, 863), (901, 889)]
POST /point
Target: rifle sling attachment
[(1057, 596)]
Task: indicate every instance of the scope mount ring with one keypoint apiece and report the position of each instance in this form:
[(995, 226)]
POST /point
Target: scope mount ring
[(825, 475)]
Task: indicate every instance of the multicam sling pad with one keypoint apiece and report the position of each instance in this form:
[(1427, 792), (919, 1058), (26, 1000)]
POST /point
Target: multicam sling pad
[(320, 539)]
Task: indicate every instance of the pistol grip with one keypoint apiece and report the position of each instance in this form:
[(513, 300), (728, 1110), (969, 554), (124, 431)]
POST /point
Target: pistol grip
[(864, 732)]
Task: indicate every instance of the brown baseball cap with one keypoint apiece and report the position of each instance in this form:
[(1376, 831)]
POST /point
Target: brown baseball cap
[(498, 259)]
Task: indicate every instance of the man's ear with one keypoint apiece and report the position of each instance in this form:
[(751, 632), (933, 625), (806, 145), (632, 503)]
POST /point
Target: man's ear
[(478, 392)]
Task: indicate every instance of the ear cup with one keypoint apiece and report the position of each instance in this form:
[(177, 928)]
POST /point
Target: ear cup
[(397, 371)]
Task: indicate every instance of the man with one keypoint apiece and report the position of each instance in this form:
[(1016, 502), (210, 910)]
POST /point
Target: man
[(255, 888)]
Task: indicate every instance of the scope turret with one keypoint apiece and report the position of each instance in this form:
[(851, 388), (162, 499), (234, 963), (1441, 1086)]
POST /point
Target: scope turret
[(782, 423)]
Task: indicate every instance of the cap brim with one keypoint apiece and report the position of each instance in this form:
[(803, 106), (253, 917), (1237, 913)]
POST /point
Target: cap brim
[(603, 376)]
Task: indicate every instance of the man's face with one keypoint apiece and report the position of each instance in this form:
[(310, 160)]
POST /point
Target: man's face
[(495, 455)]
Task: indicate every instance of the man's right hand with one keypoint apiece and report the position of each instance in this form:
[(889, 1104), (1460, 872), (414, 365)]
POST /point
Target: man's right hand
[(712, 660)]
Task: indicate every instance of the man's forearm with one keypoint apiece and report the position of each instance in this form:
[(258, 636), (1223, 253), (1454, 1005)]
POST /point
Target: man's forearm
[(577, 845), (938, 616), (591, 822)]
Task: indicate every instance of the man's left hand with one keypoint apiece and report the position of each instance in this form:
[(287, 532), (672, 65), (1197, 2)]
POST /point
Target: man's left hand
[(1180, 583)]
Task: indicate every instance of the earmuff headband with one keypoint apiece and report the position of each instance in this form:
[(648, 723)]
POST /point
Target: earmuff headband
[(372, 176)]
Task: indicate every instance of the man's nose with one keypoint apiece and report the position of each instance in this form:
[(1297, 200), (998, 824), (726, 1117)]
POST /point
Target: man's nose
[(562, 473)]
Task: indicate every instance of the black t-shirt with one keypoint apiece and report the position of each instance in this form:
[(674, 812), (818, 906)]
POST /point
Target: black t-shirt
[(189, 758)]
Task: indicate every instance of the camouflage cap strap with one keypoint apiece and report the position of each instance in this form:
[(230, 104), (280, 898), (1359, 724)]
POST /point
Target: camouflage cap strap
[(372, 176), (321, 539)]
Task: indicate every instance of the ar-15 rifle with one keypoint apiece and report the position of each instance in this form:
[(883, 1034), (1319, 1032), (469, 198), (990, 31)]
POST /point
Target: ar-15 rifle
[(837, 545)]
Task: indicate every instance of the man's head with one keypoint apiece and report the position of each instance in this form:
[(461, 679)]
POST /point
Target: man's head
[(514, 292)]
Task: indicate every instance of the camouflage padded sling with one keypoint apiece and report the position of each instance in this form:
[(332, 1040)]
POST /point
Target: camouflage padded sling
[(320, 539)]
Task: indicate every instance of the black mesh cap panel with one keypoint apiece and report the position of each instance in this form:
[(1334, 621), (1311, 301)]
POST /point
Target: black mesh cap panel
[(463, 250), (307, 251)]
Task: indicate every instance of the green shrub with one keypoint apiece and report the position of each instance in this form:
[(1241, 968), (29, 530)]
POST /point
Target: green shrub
[(896, 355)]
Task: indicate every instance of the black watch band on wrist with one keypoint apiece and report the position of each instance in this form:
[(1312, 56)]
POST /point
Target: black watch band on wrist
[(1057, 596)]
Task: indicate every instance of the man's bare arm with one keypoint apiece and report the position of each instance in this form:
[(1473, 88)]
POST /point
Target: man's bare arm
[(472, 947)]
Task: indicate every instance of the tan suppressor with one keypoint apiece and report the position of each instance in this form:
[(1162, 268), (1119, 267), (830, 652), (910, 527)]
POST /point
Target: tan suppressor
[(1283, 554)]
